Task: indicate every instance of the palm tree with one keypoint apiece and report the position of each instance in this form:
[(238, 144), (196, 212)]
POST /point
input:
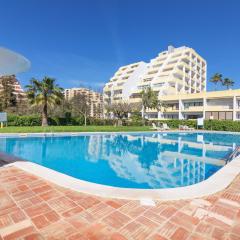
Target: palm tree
[(228, 82), (149, 100), (216, 78), (45, 93)]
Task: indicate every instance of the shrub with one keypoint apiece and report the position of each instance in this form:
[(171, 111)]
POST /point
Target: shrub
[(101, 122), (136, 119), (174, 123), (14, 120), (217, 125), (34, 120), (222, 125)]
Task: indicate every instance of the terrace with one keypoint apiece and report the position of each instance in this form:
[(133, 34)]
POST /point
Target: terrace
[(33, 208)]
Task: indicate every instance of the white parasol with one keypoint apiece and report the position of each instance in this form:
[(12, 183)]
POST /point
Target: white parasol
[(12, 62)]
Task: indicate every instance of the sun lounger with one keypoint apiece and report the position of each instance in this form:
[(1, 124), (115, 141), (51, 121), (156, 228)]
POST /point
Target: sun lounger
[(185, 127), (154, 127), (164, 127)]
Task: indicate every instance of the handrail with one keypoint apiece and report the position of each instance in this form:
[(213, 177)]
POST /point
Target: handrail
[(233, 155)]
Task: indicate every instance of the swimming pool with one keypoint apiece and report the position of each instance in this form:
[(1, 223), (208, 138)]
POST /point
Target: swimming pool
[(128, 160)]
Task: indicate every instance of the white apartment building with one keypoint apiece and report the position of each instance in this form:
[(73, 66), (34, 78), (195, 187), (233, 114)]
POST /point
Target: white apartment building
[(178, 76), (95, 99), (221, 105), (177, 70), (124, 82)]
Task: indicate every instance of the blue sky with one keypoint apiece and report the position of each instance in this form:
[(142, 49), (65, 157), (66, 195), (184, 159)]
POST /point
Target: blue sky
[(83, 42)]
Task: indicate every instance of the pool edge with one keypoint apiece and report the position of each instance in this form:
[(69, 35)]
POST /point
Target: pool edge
[(215, 183)]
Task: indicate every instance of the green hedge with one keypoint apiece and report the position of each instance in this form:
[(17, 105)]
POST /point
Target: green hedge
[(222, 125), (174, 123), (15, 120), (218, 125)]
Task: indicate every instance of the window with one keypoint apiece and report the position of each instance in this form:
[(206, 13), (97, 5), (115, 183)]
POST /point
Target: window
[(229, 115), (158, 84), (219, 115), (191, 104)]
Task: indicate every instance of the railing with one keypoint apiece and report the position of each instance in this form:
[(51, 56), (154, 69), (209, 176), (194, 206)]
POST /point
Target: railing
[(235, 153)]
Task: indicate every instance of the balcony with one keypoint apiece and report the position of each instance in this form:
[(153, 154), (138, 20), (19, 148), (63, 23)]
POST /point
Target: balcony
[(170, 110), (193, 109), (117, 87), (157, 65), (218, 108), (171, 65), (152, 72), (184, 64), (179, 72), (135, 100)]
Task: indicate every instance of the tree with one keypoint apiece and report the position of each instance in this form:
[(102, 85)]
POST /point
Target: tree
[(81, 104), (46, 94), (227, 82), (149, 100), (7, 96), (63, 110), (216, 78), (120, 110)]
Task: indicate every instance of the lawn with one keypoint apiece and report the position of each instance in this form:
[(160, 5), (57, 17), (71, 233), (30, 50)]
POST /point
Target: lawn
[(38, 129)]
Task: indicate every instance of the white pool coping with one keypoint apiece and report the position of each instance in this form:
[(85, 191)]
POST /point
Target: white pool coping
[(215, 183)]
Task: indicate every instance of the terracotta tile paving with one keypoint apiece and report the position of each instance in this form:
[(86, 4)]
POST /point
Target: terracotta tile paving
[(32, 208)]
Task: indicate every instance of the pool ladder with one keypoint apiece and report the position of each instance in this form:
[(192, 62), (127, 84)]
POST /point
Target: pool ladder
[(233, 154)]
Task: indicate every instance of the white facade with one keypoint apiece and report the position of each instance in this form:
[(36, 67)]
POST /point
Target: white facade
[(219, 105), (124, 82), (177, 70)]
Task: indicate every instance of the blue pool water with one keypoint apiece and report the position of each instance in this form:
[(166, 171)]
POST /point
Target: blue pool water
[(139, 160)]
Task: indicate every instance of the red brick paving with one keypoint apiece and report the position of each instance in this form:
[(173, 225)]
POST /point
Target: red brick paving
[(34, 209)]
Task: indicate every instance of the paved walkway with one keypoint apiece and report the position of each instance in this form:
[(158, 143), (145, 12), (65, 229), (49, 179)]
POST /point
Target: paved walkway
[(32, 208)]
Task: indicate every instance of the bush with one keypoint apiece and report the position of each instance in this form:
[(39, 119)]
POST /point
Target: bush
[(101, 122), (34, 120), (14, 120), (174, 123), (222, 125), (217, 125), (136, 119)]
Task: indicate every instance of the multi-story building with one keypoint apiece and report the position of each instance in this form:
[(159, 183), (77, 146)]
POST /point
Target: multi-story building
[(221, 105), (178, 76), (94, 99), (124, 82), (14, 84), (177, 70)]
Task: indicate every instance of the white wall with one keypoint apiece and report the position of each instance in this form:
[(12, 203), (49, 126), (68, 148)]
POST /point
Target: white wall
[(132, 83)]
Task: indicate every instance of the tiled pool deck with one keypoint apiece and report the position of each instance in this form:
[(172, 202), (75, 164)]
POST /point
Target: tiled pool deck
[(32, 208)]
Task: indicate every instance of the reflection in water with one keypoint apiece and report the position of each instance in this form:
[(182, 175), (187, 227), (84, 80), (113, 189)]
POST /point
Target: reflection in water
[(129, 160), (169, 160)]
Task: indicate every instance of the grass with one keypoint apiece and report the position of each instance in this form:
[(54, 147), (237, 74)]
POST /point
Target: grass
[(39, 129)]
